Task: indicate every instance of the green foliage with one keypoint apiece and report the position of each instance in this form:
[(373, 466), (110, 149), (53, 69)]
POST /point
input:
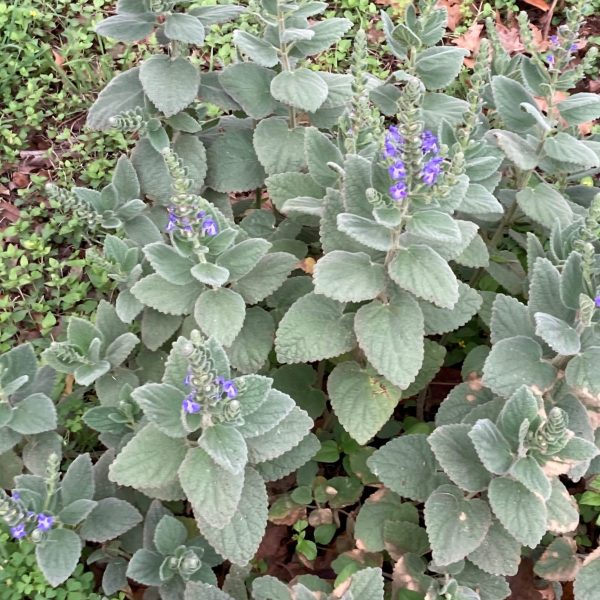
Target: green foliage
[(259, 228)]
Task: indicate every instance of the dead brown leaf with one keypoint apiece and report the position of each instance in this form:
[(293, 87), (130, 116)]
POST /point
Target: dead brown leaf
[(58, 59), (471, 39), (308, 265), (510, 37), (455, 15), (403, 579), (541, 4), (20, 180), (8, 212)]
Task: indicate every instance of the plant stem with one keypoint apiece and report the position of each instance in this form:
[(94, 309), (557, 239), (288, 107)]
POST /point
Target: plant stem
[(285, 61)]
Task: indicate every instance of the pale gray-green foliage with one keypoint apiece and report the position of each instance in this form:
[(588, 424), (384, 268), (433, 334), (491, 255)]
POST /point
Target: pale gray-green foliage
[(388, 278), (79, 514)]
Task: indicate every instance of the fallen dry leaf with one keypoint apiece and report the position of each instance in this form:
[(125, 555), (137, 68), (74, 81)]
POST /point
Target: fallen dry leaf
[(510, 38), (21, 180), (471, 39), (541, 4), (58, 59), (455, 15), (9, 213), (308, 265)]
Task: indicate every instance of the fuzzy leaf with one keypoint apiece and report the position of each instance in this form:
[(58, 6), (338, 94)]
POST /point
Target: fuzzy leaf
[(455, 526), (319, 151), (514, 362), (238, 541), (391, 336), (248, 84), (582, 371), (184, 28), (499, 553), (491, 447), (434, 225), (290, 461), (122, 94), (442, 320), (439, 65), (34, 414), (232, 163), (456, 453), (280, 439), (528, 472), (150, 459), (266, 277), (159, 294), (220, 313), (168, 263), (365, 231), (300, 334), (110, 518), (169, 534), (301, 88), (250, 349), (275, 408), (521, 512), (127, 27), (362, 403), (279, 148), (226, 446), (213, 492), (348, 276), (563, 513), (379, 509), (260, 51), (58, 554), (161, 404), (560, 336), (565, 148), (240, 259), (545, 205), (422, 271), (78, 482), (517, 149), (580, 108), (171, 84), (586, 584), (508, 97), (509, 319), (407, 466)]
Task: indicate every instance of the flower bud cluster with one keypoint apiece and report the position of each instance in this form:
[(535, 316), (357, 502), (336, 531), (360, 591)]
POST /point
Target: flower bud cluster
[(212, 395), (186, 216), (21, 522), (71, 203), (563, 48), (131, 121)]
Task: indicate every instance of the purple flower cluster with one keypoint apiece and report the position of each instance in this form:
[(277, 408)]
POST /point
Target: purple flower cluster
[(433, 167), (44, 523), (208, 225), (392, 151), (597, 301), (555, 44), (190, 403)]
